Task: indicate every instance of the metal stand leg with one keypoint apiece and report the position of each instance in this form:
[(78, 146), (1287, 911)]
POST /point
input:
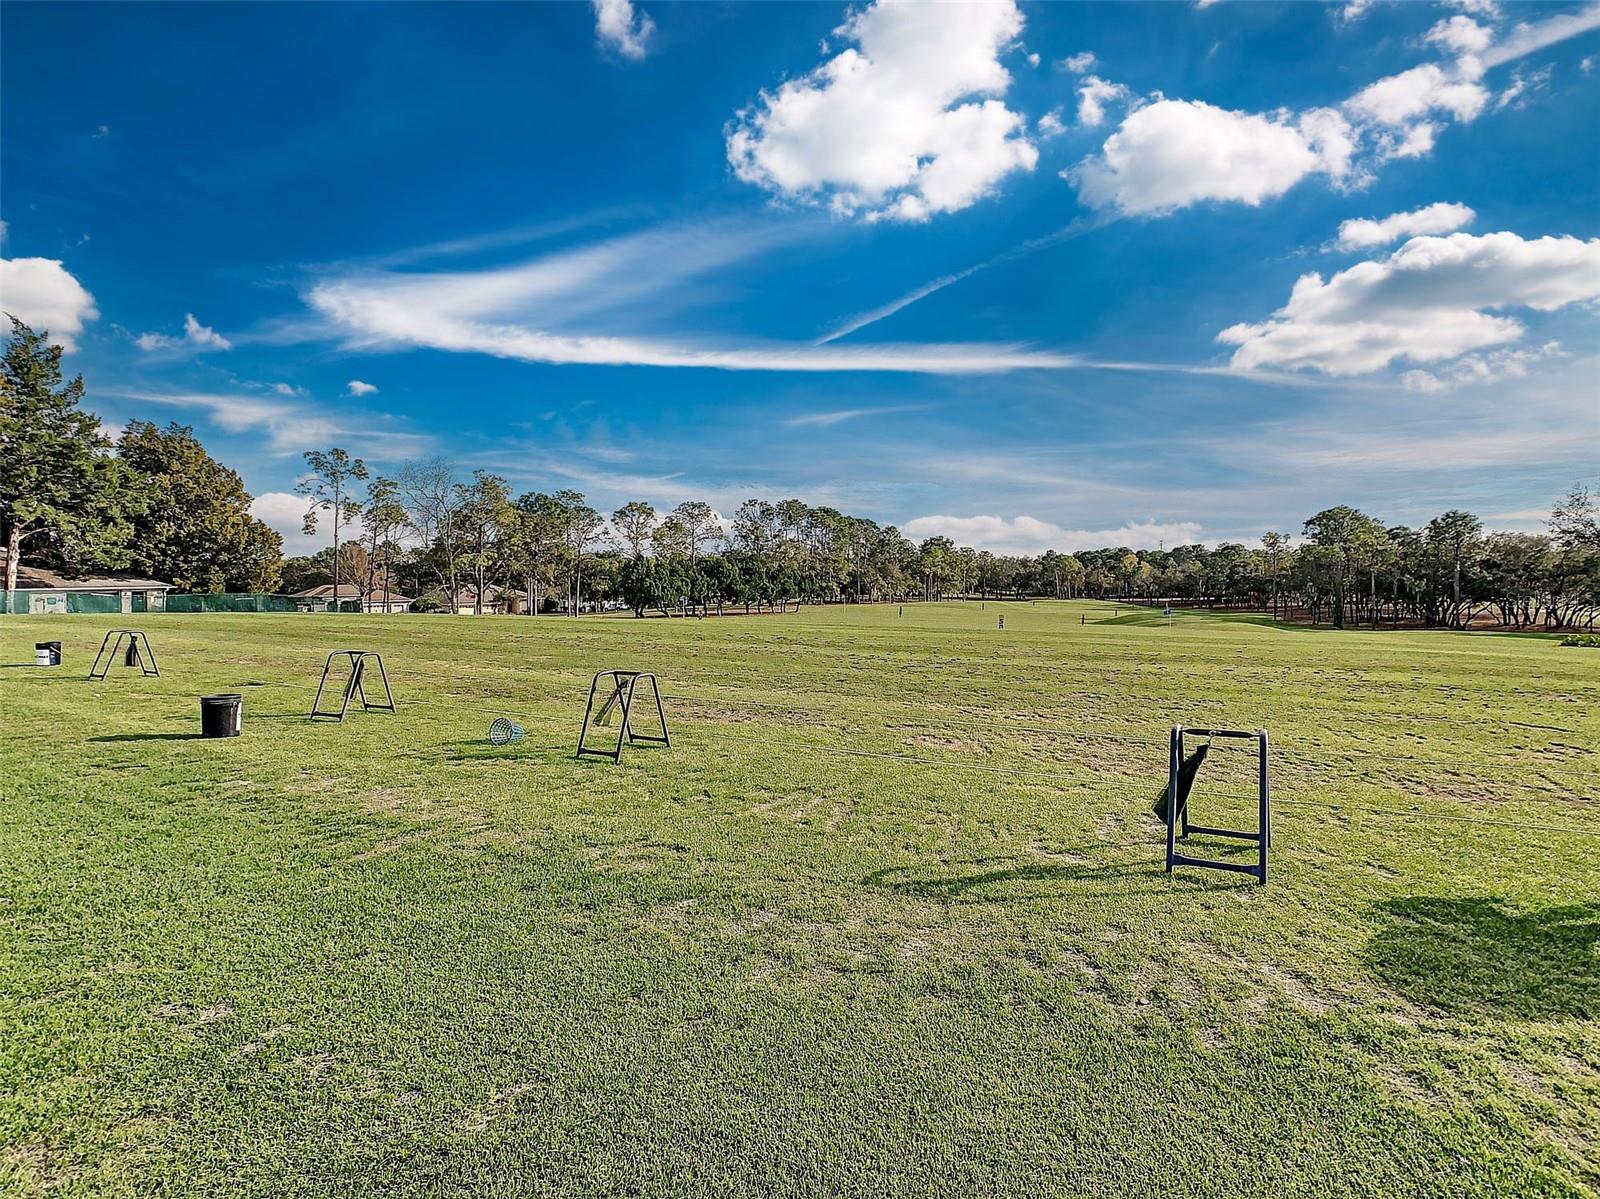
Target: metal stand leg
[(623, 688), (354, 687), (1263, 834)]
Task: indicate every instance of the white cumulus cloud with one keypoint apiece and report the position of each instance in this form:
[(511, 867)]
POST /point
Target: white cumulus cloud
[(1175, 153), (1432, 300), (1094, 93), (904, 124), (622, 30), (1028, 535), (1435, 218), (1461, 35), (357, 388), (1400, 99), (1492, 367), (44, 295), (1169, 154), (1078, 63), (195, 336), (1051, 124)]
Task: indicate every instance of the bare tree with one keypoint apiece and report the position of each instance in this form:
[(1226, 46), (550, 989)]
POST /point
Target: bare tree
[(328, 488), (433, 509)]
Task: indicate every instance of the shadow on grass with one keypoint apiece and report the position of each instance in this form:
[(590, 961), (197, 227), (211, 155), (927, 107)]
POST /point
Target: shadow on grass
[(149, 737), (1485, 957)]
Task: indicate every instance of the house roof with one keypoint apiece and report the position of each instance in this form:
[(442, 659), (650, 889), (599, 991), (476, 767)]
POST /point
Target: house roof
[(325, 591), (36, 578)]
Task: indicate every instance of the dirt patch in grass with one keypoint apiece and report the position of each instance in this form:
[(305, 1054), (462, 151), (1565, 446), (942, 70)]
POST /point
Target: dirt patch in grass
[(643, 857), (496, 1106), (189, 1017), (806, 810), (257, 1044), (949, 742), (37, 1167)]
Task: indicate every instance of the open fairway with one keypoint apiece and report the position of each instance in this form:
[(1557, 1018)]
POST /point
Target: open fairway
[(889, 918)]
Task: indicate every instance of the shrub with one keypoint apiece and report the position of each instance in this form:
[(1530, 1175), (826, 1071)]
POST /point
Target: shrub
[(1583, 640)]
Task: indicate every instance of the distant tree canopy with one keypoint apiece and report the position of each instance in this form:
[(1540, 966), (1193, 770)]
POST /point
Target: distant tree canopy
[(161, 504), (194, 526)]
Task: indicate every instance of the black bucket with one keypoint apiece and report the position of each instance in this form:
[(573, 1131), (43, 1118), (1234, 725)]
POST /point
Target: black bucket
[(221, 715), (47, 653)]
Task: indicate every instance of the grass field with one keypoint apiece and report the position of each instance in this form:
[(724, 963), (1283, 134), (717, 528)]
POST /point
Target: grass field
[(889, 918)]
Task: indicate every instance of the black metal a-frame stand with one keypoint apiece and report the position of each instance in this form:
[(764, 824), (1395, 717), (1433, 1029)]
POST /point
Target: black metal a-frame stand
[(354, 686), (620, 695), (1181, 772), (144, 659)]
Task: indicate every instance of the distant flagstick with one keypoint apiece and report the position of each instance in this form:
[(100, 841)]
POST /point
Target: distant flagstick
[(1067, 232)]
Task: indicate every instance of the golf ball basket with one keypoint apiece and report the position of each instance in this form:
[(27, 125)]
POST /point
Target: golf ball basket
[(504, 732)]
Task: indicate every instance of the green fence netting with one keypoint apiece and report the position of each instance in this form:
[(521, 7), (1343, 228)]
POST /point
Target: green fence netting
[(21, 601), (47, 602), (245, 601)]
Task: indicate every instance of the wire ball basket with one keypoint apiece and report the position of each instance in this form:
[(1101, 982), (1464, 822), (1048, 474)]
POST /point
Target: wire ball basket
[(504, 732)]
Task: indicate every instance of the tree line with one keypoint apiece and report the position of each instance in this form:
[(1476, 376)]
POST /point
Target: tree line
[(472, 544), (153, 500)]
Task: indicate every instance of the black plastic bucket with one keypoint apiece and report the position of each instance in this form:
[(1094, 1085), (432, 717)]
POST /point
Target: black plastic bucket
[(221, 715), (47, 653)]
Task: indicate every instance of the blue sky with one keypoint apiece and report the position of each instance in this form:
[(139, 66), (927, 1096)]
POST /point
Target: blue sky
[(1031, 276)]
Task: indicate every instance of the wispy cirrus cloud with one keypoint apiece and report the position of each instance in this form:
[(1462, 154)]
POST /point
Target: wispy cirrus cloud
[(599, 305), (289, 426), (826, 420)]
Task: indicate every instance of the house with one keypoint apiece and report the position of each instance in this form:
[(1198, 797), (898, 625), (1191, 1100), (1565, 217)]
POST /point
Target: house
[(321, 599), (497, 601), (40, 590)]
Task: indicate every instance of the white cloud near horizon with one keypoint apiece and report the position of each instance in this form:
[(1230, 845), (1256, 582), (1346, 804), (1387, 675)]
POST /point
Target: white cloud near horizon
[(1028, 535), (906, 123), (621, 29), (43, 294), (1361, 234), (284, 512), (1432, 300), (195, 336)]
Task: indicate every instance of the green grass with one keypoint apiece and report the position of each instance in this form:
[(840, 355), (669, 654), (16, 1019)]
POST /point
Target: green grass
[(888, 918)]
